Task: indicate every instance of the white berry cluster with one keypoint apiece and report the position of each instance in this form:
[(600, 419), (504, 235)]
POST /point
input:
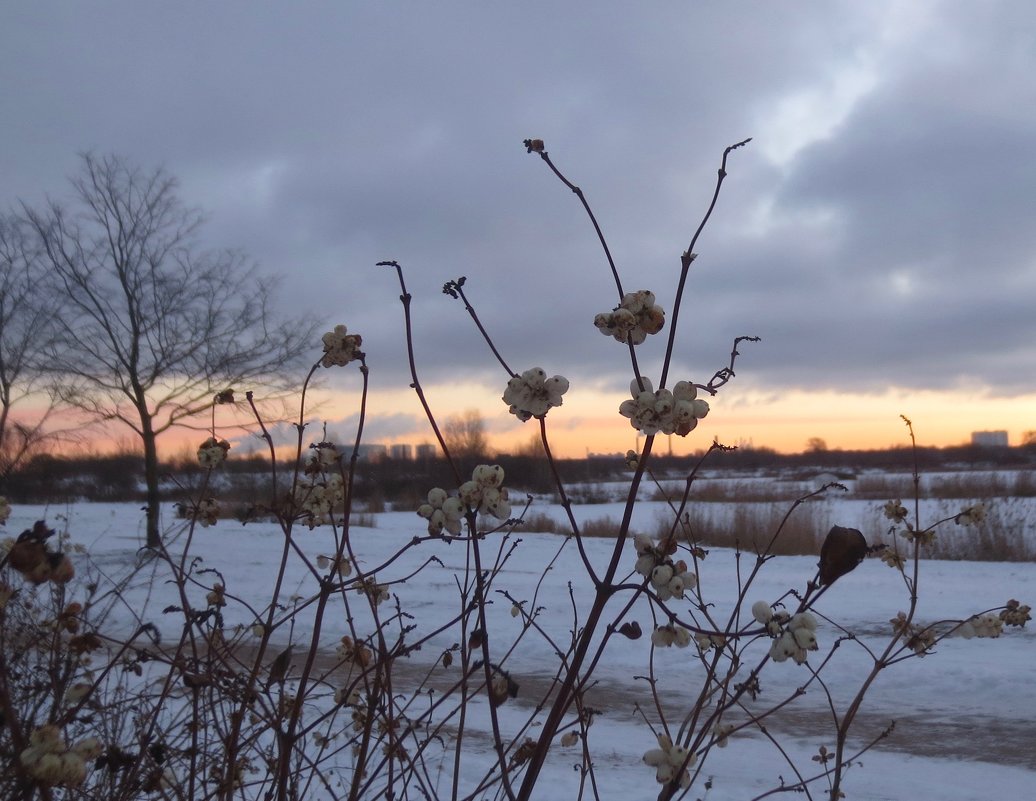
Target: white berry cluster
[(442, 512), (376, 593), (675, 411), (323, 489), (722, 732), (48, 760), (972, 516), (532, 394), (208, 512), (793, 635), (353, 652), (987, 625), (338, 564), (484, 494), (706, 641), (205, 512), (213, 452), (324, 458), (668, 579), (341, 347), (348, 696), (671, 762), (667, 635), (319, 497), (636, 316)]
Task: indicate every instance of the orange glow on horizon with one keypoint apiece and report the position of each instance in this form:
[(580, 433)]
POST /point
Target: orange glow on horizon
[(589, 422)]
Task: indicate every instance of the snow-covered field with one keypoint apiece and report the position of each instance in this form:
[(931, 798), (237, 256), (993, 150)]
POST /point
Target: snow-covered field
[(965, 716)]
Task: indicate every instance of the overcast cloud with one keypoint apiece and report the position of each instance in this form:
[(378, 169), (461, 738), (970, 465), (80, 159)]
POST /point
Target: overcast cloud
[(878, 231)]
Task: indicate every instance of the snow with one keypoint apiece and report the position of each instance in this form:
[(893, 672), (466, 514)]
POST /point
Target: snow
[(965, 716)]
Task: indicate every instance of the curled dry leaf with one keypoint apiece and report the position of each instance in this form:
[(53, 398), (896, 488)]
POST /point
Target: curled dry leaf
[(631, 629)]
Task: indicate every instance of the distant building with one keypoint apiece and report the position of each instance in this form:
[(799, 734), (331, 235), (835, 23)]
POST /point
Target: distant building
[(426, 451), (401, 451), (373, 453), (989, 439)]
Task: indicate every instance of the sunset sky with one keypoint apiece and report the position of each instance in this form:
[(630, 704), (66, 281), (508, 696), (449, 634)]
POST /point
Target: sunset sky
[(878, 232)]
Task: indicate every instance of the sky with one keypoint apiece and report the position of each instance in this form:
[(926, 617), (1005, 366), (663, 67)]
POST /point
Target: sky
[(877, 233)]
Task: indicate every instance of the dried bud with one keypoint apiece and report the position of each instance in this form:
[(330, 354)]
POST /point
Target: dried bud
[(62, 571), (631, 629), (842, 551)]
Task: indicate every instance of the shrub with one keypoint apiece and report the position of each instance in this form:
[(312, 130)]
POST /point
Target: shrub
[(329, 684)]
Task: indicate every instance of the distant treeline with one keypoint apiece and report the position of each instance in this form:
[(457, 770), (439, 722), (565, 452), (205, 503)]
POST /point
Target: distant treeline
[(59, 479)]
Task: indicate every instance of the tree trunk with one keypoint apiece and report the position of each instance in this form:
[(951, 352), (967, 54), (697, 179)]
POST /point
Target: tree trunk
[(151, 481)]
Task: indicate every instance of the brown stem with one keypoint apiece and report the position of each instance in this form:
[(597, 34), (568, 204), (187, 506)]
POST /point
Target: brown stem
[(686, 259)]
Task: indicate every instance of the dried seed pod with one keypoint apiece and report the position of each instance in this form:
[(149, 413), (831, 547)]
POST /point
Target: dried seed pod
[(843, 549), (279, 666)]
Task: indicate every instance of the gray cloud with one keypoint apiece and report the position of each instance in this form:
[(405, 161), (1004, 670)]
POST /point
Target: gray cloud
[(889, 243)]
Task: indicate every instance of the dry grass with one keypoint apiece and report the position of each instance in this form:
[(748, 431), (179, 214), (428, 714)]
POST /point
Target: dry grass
[(364, 519), (972, 485), (246, 513), (600, 527), (1004, 536), (755, 527), (729, 491), (594, 527), (1001, 537), (543, 523)]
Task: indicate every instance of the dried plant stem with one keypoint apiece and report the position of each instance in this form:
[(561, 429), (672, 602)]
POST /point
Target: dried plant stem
[(589, 213), (604, 591), (458, 287), (688, 257), (405, 298)]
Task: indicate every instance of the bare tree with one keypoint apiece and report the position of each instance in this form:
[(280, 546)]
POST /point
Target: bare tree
[(26, 325), (154, 324), (816, 445), (465, 435)]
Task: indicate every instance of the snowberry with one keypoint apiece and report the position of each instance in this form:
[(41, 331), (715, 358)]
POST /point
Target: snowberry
[(668, 758), (721, 731), (762, 612), (806, 639), (532, 394), (636, 316), (661, 575), (645, 564), (441, 512), (987, 625), (669, 412), (973, 515)]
